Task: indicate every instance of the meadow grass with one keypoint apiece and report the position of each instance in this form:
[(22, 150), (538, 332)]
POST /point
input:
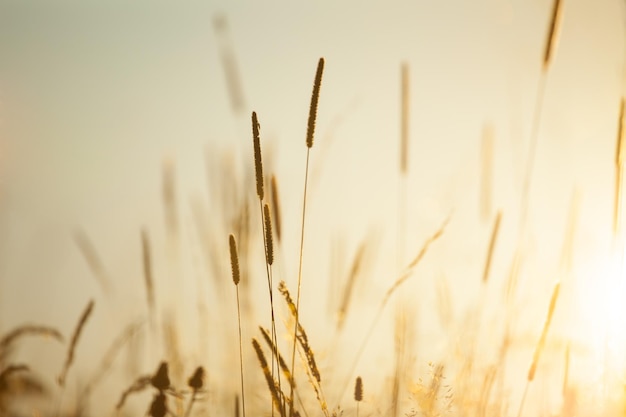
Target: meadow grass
[(464, 381)]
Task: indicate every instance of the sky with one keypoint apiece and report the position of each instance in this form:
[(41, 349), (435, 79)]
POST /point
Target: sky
[(95, 96)]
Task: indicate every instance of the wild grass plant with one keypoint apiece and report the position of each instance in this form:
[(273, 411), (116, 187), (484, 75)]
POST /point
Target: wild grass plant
[(274, 364)]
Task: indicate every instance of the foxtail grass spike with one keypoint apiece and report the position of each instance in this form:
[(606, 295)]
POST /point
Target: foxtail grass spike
[(234, 259), (269, 240), (276, 209), (258, 161), (314, 99), (358, 389)]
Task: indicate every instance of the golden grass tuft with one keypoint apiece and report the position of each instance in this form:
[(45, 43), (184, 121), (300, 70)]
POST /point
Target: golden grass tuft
[(72, 349)]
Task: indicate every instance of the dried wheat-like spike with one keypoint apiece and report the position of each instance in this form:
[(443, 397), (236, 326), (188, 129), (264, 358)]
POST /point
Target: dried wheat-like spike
[(276, 208), (234, 259), (269, 240), (72, 349), (268, 377), (282, 288), (8, 339), (147, 271), (308, 352), (544, 333), (404, 121), (169, 197), (301, 335), (258, 161), (492, 246), (314, 99), (553, 33), (358, 389), (139, 385), (281, 360)]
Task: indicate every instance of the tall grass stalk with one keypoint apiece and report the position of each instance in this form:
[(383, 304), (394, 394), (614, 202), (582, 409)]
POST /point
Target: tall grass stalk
[(309, 144)]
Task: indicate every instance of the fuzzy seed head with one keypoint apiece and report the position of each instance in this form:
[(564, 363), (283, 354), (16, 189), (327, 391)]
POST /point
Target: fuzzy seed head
[(314, 99), (234, 259), (258, 161), (358, 389)]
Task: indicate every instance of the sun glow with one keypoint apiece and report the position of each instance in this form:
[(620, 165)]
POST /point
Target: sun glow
[(602, 304)]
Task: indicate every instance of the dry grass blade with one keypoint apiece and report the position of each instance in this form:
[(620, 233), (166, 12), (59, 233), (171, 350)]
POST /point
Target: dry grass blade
[(404, 120), (553, 33), (147, 272), (276, 209), (258, 161), (90, 254), (72, 349), (229, 64), (276, 395), (619, 168), (310, 131), (28, 330), (544, 333), (169, 197), (234, 259), (281, 360), (269, 240), (139, 385), (11, 369), (107, 360), (492, 245), (355, 269), (486, 177)]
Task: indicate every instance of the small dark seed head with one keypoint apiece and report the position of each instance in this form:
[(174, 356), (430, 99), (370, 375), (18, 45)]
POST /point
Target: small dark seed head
[(358, 389), (197, 379), (158, 408), (161, 379), (234, 259)]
